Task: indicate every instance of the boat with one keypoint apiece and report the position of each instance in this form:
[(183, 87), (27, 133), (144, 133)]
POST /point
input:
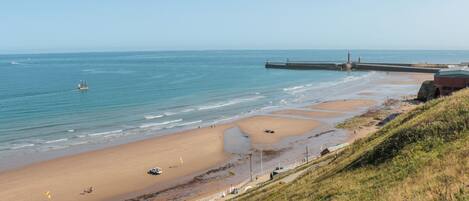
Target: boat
[(83, 86)]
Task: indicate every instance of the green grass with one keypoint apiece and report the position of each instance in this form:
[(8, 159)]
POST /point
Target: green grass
[(370, 118), (420, 155)]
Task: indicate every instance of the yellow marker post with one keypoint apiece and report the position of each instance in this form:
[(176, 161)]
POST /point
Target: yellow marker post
[(48, 195)]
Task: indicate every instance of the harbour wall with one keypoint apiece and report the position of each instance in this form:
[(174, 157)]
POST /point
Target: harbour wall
[(417, 68)]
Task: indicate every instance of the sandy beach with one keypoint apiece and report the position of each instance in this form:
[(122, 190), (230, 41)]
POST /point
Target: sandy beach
[(344, 105), (283, 127), (120, 172), (306, 113)]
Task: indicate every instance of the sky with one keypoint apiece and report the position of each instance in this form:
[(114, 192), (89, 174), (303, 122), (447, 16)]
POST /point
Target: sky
[(125, 25)]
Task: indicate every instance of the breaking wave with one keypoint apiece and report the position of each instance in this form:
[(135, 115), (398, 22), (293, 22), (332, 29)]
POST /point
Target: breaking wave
[(106, 133), (153, 116), (183, 124), (230, 102), (20, 146), (55, 141), (159, 124), (99, 71), (308, 87)]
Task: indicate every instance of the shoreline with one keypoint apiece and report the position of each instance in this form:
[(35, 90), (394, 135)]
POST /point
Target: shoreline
[(131, 160)]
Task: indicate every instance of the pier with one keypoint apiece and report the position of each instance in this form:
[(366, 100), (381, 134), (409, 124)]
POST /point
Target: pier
[(394, 67), (359, 66)]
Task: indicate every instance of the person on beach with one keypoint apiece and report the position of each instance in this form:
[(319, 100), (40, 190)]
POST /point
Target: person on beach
[(87, 190)]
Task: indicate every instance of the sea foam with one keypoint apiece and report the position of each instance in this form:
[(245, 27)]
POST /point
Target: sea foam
[(159, 124), (322, 85), (55, 141), (105, 133), (230, 102), (19, 146), (184, 124), (153, 116)]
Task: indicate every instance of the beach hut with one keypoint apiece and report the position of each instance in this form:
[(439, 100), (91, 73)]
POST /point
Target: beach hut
[(452, 79)]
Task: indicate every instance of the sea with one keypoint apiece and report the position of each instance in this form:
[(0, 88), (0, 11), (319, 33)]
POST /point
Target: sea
[(155, 93)]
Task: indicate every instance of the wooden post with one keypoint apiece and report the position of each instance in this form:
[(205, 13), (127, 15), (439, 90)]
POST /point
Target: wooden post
[(262, 169), (307, 154), (250, 165)]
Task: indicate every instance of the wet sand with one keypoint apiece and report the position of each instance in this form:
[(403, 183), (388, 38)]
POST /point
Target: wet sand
[(332, 112), (344, 105), (306, 113), (283, 127), (412, 78)]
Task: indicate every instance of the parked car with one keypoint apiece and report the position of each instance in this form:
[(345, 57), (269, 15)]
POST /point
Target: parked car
[(155, 171), (276, 171)]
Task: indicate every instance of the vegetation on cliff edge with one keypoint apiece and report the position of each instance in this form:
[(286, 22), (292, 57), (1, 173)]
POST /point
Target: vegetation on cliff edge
[(420, 155)]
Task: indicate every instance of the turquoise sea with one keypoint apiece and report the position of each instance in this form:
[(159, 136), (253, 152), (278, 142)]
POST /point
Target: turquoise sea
[(152, 93)]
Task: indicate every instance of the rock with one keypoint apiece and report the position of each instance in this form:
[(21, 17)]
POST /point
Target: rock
[(427, 91)]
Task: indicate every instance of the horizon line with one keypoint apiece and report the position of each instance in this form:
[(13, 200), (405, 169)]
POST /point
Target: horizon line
[(202, 50)]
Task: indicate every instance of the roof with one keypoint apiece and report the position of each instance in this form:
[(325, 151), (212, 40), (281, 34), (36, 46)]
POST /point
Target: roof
[(454, 72)]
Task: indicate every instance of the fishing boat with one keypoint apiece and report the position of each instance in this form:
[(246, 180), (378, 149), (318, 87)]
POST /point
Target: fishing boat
[(83, 86)]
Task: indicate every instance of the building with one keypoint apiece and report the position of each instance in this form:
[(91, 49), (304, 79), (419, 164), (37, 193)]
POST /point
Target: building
[(452, 79)]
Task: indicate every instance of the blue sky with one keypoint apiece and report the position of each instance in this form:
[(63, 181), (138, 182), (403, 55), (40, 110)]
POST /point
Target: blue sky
[(121, 25)]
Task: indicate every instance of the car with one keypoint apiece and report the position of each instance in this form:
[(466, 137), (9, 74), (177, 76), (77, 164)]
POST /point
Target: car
[(276, 171), (155, 171)]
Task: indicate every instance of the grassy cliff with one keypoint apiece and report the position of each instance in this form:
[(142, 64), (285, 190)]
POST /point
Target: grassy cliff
[(420, 155)]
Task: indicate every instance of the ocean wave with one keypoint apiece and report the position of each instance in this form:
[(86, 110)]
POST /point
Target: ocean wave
[(225, 119), (169, 113), (308, 87), (113, 135), (230, 102), (58, 147), (14, 63), (148, 117), (99, 71), (184, 124), (159, 124), (79, 143), (105, 133), (55, 141), (187, 110), (294, 88), (19, 146), (269, 107)]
